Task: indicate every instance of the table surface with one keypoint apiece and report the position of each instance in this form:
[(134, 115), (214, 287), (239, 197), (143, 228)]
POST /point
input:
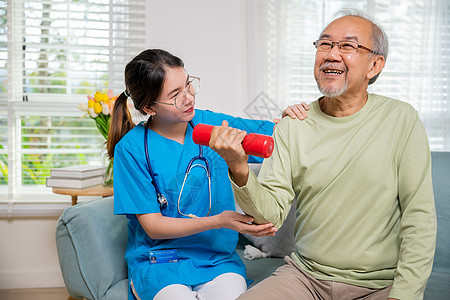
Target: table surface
[(95, 190)]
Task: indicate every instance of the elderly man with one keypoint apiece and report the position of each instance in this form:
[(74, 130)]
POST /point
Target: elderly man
[(359, 167)]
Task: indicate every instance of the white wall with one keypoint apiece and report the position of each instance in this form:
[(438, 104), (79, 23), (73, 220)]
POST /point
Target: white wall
[(209, 35), (28, 256)]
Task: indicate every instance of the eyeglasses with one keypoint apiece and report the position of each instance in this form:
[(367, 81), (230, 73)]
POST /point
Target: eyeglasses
[(345, 47), (192, 87)]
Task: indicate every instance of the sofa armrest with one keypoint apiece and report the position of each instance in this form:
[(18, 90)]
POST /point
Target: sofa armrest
[(91, 243)]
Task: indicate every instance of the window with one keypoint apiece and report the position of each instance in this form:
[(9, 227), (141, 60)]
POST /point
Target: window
[(281, 54), (53, 53)]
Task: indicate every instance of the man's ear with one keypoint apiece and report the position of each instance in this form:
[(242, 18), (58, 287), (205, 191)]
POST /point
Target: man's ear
[(376, 67), (149, 110)]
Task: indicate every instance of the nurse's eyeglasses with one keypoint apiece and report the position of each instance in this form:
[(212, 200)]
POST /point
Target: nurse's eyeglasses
[(192, 87)]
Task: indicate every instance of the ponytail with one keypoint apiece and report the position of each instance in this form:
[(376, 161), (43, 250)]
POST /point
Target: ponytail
[(121, 123)]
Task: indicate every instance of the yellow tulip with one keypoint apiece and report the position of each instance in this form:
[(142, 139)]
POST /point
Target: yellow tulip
[(97, 108), (100, 97), (99, 103), (97, 97)]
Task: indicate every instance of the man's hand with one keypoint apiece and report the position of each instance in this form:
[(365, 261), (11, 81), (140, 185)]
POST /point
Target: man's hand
[(294, 111), (227, 142)]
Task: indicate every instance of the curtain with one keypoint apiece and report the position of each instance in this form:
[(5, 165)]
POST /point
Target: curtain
[(281, 55)]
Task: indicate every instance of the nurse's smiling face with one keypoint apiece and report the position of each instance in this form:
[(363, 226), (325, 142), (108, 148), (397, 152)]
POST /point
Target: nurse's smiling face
[(176, 103)]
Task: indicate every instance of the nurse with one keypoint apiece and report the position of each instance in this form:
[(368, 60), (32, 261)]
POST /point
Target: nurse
[(182, 224)]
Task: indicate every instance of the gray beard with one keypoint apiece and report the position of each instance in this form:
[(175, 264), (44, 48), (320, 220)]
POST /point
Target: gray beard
[(332, 93)]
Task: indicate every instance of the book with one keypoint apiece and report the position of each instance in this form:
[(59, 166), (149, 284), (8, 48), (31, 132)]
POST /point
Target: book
[(79, 171), (74, 182)]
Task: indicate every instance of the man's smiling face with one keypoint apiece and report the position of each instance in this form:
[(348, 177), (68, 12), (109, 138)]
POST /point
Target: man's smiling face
[(337, 73)]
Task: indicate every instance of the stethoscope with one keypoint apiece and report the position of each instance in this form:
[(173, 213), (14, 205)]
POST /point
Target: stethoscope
[(159, 196)]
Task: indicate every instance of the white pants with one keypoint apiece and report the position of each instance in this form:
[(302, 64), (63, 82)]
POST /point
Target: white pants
[(227, 286)]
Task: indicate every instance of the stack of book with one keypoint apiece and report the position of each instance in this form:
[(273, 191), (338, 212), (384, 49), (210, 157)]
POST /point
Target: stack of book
[(76, 177)]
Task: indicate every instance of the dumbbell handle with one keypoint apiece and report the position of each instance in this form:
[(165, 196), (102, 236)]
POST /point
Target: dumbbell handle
[(254, 144)]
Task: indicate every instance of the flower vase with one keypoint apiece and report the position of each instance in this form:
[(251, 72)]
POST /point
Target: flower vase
[(108, 178)]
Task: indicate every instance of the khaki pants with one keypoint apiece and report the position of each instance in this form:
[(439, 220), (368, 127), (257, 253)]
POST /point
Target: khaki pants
[(290, 282)]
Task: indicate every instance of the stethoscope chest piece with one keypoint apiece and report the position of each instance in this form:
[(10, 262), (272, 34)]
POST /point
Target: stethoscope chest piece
[(162, 201)]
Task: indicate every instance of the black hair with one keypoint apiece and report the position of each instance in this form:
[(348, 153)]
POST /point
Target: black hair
[(144, 79)]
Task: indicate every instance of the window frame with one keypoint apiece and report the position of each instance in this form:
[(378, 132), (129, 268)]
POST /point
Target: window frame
[(17, 199)]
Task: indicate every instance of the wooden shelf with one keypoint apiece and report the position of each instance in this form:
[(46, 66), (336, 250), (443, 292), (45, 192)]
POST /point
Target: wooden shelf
[(95, 190)]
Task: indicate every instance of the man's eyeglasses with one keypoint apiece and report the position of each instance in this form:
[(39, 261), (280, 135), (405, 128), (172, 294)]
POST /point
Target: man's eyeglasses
[(345, 47), (179, 100)]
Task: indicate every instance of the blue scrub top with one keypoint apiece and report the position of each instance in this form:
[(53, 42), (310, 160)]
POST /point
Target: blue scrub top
[(202, 256)]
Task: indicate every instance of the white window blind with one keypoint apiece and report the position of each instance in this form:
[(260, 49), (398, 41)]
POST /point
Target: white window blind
[(55, 53), (3, 53), (3, 150), (54, 141), (281, 56), (74, 47)]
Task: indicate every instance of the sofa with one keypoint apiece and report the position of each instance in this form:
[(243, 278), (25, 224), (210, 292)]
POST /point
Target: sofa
[(91, 244)]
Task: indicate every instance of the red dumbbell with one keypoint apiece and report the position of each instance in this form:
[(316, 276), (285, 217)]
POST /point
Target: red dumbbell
[(254, 144)]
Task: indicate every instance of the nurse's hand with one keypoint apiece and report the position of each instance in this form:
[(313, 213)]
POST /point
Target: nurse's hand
[(242, 223), (294, 111)]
